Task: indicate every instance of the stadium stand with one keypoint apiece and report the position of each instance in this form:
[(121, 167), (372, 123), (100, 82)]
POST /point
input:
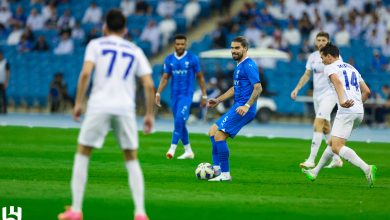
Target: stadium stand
[(29, 82)]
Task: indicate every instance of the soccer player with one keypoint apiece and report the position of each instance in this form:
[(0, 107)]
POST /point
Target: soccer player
[(116, 62), (183, 67), (245, 90), (324, 100), (352, 92)]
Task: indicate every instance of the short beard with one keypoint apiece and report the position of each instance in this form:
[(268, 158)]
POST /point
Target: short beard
[(239, 56)]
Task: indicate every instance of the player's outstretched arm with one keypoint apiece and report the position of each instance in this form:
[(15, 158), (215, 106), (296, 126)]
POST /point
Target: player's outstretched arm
[(302, 82), (148, 85), (257, 89), (340, 91), (82, 86), (365, 91), (214, 102), (161, 86), (202, 85)]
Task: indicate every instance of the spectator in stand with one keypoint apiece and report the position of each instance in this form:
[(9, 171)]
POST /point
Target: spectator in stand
[(264, 19), (15, 36), (342, 36), (127, 7), (65, 45), (25, 45), (5, 16), (58, 94), (77, 32), (19, 17), (252, 34), (142, 8), (373, 39), (167, 28), (51, 22), (151, 33), (224, 9), (292, 35), (191, 12), (93, 14), (305, 50), (297, 8), (330, 26), (305, 26), (41, 45), (35, 20), (276, 10), (66, 21), (49, 9), (166, 8), (4, 79), (378, 63), (218, 36), (354, 27), (385, 48), (93, 33)]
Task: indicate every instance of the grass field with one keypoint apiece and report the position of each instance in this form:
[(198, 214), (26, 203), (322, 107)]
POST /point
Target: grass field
[(35, 169)]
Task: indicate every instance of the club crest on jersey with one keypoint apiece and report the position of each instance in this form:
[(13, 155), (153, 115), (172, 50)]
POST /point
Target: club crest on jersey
[(186, 64)]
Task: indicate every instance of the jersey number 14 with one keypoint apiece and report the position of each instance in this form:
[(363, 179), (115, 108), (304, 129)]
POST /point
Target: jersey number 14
[(353, 81)]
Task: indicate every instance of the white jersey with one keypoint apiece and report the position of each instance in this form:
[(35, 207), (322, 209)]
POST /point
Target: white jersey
[(117, 62), (321, 85), (350, 79)]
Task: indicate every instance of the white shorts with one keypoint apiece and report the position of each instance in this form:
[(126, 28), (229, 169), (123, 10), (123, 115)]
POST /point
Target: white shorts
[(96, 126), (344, 124), (323, 107)]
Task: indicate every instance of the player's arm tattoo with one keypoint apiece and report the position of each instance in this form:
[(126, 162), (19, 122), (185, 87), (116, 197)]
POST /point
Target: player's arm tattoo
[(257, 89), (226, 95)]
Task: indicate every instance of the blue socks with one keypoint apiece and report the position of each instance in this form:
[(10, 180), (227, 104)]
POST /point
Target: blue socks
[(184, 135), (223, 155), (214, 152)]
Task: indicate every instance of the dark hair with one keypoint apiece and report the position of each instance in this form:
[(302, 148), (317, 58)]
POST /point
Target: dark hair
[(323, 34), (242, 40), (180, 37), (331, 49), (115, 20)]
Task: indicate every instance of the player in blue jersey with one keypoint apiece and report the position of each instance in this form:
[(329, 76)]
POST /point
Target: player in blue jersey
[(183, 67), (246, 89)]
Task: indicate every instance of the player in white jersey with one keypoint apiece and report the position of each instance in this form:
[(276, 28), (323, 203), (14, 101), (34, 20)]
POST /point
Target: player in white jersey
[(116, 63), (352, 92), (324, 100)]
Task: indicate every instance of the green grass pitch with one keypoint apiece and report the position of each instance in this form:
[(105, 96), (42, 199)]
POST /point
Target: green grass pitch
[(36, 164)]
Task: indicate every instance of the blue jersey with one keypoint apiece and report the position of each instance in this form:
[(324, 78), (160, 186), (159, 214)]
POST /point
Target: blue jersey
[(182, 71), (246, 74)]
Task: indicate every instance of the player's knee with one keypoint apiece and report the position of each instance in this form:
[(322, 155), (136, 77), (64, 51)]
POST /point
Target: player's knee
[(319, 124), (220, 136), (130, 154), (213, 130), (84, 150)]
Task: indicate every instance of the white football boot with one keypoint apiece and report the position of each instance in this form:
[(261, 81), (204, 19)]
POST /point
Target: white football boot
[(187, 155), (307, 164), (335, 163), (170, 153), (220, 178)]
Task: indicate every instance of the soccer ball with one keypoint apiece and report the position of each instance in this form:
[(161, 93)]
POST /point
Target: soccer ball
[(204, 171)]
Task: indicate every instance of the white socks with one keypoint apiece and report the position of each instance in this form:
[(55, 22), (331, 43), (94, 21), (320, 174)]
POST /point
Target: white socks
[(173, 147), (187, 148), (79, 180), (136, 183), (324, 159), (350, 155), (315, 145)]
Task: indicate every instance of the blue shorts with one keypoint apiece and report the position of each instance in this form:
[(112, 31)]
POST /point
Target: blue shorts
[(231, 122), (181, 107)]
